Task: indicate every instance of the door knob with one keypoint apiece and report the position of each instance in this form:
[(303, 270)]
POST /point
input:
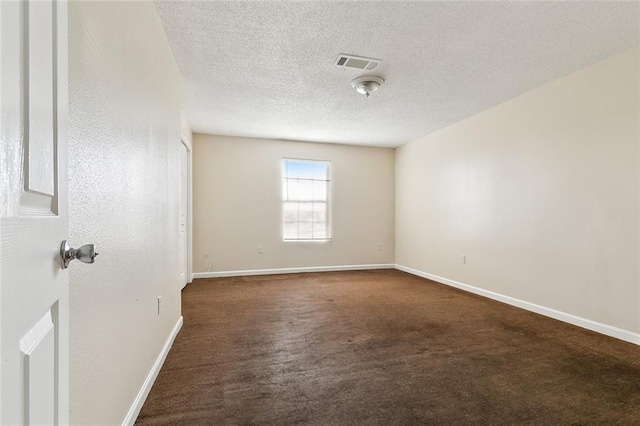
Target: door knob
[(85, 254)]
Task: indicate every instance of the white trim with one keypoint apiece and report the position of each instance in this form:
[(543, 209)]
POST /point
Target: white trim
[(186, 138), (185, 131), (190, 214), (216, 274), (132, 415), (189, 272), (618, 333)]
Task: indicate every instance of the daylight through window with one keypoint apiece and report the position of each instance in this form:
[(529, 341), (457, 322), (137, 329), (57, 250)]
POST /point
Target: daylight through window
[(305, 194)]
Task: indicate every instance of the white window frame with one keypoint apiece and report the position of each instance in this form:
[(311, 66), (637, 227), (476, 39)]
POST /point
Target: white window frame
[(328, 200)]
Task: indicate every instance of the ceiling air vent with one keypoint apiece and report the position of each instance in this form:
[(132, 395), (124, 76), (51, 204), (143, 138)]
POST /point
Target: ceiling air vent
[(359, 62)]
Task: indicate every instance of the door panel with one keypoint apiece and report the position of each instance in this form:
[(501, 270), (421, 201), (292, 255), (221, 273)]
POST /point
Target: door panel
[(39, 90), (33, 287), (39, 354)]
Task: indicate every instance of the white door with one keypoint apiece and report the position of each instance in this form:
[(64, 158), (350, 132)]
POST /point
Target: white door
[(184, 208), (34, 289)]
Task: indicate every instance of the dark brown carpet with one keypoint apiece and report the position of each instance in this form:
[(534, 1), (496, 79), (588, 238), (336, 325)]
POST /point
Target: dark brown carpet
[(382, 348)]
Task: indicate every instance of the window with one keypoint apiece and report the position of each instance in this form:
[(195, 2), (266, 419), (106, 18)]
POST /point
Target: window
[(305, 195)]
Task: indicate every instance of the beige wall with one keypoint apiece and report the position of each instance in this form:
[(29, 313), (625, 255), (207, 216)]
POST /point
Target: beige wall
[(238, 196), (124, 159), (540, 193)]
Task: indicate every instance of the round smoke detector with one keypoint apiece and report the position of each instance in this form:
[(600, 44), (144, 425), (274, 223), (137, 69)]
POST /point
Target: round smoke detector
[(367, 84)]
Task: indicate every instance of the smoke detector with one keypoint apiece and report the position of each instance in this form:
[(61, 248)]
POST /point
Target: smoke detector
[(367, 84)]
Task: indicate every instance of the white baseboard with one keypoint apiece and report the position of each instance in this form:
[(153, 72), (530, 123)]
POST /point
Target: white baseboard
[(132, 415), (598, 327), (217, 274)]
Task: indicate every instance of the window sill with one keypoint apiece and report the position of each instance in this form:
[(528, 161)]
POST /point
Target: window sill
[(324, 240)]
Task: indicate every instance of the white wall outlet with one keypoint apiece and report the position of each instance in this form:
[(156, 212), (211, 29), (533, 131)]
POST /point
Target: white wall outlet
[(464, 260), (260, 249), (159, 299), (379, 246)]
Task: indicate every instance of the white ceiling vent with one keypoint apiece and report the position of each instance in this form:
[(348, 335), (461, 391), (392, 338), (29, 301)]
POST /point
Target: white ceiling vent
[(359, 62)]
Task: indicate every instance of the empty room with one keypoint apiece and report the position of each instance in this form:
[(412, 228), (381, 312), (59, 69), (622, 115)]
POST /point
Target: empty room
[(319, 212)]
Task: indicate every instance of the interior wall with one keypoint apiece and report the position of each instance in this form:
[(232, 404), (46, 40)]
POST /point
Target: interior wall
[(124, 176), (539, 193), (238, 196)]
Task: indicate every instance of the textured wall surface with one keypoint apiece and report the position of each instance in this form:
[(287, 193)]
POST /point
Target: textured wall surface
[(540, 193), (124, 184), (238, 205)]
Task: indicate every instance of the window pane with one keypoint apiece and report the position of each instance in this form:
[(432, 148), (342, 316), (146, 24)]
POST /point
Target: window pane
[(290, 230), (305, 212), (290, 212), (318, 171), (292, 189), (305, 190), (319, 190), (319, 230), (319, 212), (305, 230), (305, 169)]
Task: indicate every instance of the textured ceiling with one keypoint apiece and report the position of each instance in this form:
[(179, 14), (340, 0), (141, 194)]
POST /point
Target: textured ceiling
[(266, 69)]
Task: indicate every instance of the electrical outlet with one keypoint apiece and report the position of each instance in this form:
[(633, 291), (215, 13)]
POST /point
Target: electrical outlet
[(260, 249), (379, 246), (464, 260), (159, 299)]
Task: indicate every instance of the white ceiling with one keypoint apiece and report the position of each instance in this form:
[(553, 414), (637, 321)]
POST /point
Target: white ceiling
[(266, 69)]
